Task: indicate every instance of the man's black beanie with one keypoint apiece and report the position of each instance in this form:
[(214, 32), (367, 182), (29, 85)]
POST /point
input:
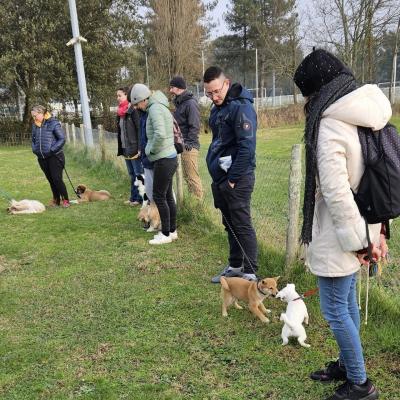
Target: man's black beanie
[(178, 82), (316, 70)]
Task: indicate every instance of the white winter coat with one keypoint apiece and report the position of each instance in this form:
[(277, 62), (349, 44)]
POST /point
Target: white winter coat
[(338, 228)]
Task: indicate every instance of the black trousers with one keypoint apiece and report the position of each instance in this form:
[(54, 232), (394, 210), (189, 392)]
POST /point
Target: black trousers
[(164, 170), (234, 205), (53, 168)]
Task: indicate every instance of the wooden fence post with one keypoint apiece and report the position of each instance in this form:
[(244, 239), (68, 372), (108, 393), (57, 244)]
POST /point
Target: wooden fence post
[(82, 131), (66, 127), (179, 181), (101, 142), (73, 134), (295, 180)]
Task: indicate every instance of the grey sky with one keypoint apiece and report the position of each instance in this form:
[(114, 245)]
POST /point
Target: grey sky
[(218, 18), (217, 15)]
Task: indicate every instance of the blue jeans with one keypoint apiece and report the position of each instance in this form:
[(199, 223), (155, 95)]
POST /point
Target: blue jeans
[(134, 168), (338, 298)]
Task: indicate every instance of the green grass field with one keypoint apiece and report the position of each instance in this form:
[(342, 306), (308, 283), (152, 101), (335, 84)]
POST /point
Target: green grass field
[(88, 310)]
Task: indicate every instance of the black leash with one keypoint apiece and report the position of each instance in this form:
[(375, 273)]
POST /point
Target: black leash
[(238, 242), (63, 166)]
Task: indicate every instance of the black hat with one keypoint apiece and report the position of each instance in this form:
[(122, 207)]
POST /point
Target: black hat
[(316, 70), (178, 82)]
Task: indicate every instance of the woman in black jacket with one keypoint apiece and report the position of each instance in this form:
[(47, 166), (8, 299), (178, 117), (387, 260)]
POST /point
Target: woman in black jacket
[(47, 143), (128, 126)]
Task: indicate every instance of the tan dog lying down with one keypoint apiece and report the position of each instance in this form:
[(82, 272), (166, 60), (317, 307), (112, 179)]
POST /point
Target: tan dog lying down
[(254, 293), (87, 194), (25, 207)]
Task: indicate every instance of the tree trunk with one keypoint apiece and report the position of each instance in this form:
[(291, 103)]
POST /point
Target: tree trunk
[(26, 119)]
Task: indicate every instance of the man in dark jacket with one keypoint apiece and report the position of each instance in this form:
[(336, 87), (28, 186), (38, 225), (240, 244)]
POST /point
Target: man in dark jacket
[(187, 114), (231, 164)]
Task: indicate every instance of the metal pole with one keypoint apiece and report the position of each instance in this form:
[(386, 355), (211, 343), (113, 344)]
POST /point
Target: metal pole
[(273, 88), (256, 80), (81, 73), (392, 89), (394, 78), (197, 89), (202, 58), (147, 70)]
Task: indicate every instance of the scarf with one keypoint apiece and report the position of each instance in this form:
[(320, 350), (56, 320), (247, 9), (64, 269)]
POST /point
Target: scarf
[(329, 93), (47, 115), (123, 108)]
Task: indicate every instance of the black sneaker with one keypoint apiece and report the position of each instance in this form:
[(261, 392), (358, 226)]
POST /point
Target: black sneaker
[(333, 372), (350, 391), (227, 272)]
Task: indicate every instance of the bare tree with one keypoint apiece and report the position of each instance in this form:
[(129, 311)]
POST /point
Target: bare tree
[(276, 35), (353, 29), (175, 37)]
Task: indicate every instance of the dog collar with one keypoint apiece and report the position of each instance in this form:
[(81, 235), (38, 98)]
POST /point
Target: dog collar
[(258, 288), (298, 298)]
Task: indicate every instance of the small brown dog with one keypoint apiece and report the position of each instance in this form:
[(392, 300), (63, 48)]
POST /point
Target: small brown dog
[(87, 194), (142, 216), (149, 214), (254, 293)]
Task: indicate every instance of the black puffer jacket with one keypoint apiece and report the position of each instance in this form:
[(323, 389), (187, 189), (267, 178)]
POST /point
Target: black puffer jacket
[(131, 134), (187, 114), (47, 139)]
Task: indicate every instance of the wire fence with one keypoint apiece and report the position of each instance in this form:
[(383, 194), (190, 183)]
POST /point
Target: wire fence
[(270, 200)]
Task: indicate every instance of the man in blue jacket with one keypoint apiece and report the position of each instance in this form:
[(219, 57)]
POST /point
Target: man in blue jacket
[(231, 164)]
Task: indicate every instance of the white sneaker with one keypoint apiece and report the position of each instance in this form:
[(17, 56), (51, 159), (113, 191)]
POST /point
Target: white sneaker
[(173, 235), (161, 239)]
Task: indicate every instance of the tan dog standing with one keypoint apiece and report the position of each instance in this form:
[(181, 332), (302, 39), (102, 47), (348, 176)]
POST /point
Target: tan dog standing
[(87, 194), (252, 292)]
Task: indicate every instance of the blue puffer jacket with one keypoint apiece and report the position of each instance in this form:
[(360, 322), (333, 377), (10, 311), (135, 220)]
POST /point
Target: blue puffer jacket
[(234, 127), (47, 139)]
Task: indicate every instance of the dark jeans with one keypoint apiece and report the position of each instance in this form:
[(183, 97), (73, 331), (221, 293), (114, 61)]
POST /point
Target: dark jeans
[(53, 169), (135, 167), (235, 207), (164, 170)]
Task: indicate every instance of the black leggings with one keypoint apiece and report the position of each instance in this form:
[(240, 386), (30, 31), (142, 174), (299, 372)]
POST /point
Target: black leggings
[(53, 168), (164, 170)]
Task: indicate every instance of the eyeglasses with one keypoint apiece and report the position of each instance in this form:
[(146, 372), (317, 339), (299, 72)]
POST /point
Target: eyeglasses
[(216, 92)]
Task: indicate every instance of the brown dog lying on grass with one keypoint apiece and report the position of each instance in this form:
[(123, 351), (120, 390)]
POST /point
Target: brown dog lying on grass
[(87, 194), (252, 292)]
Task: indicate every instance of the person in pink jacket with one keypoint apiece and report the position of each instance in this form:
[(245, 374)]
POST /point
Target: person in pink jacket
[(333, 230)]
